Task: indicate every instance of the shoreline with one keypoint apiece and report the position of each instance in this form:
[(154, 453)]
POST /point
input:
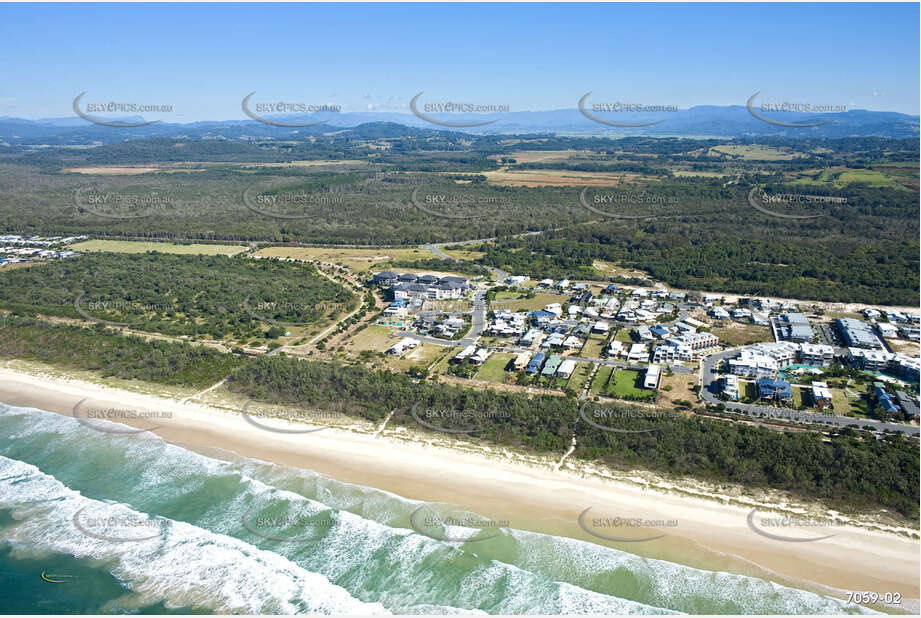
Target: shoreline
[(530, 492)]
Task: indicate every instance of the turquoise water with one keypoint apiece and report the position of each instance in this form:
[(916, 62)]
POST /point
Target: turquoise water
[(131, 524)]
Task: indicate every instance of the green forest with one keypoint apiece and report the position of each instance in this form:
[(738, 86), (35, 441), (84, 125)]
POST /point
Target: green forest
[(191, 295), (849, 470)]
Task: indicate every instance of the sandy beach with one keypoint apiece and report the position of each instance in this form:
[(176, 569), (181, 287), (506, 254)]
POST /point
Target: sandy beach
[(703, 533)]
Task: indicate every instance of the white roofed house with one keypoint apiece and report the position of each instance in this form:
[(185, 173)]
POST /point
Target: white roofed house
[(653, 375), (616, 348), (638, 352), (821, 396), (554, 308), (464, 354), (642, 315), (480, 356), (572, 343), (644, 333), (741, 314), (404, 344), (521, 361), (731, 386), (601, 327), (529, 337), (887, 330), (566, 368)]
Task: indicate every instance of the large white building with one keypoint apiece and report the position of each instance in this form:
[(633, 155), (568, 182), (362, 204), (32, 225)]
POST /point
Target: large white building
[(653, 374), (766, 359), (820, 355), (731, 386), (753, 365)]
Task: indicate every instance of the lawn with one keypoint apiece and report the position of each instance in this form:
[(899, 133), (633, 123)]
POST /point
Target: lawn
[(579, 377), (624, 335), (748, 392), (624, 383), (593, 346), (133, 246), (800, 398), (601, 379), (840, 403), (493, 369)]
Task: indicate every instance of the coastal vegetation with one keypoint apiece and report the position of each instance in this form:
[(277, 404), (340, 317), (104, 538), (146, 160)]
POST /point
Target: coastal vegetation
[(845, 468)]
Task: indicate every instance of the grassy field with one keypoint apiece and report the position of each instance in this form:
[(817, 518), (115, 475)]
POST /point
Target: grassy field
[(736, 333), (493, 369), (840, 177), (624, 335), (601, 379), (840, 402), (463, 254), (375, 338), (871, 177), (593, 346), (422, 356), (754, 153), (579, 377), (557, 178), (359, 260), (681, 385), (540, 300), (610, 268), (701, 173), (748, 392), (624, 383), (131, 246), (800, 397)]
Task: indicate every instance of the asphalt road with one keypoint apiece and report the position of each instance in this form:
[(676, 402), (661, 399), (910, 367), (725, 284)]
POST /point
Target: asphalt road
[(711, 387), (436, 249), (477, 326)]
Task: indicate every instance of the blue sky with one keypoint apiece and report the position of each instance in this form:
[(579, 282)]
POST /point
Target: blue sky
[(203, 58)]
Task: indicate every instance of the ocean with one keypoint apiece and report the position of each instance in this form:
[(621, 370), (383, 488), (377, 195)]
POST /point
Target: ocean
[(94, 522)]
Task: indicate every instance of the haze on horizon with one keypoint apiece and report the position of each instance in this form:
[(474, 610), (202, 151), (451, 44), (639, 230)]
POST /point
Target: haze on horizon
[(375, 58)]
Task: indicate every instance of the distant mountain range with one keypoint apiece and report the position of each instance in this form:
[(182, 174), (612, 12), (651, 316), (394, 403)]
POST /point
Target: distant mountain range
[(733, 121)]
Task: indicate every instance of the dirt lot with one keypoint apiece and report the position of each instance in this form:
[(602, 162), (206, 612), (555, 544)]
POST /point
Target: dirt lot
[(737, 333), (544, 156), (131, 246), (556, 178), (358, 260), (681, 385)]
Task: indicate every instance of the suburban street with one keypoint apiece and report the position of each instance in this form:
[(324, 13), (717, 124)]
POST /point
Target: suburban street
[(710, 388)]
